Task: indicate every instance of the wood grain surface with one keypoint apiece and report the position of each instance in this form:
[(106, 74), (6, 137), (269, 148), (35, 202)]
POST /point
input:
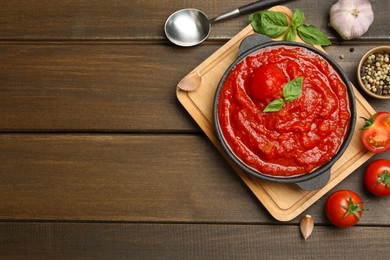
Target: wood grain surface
[(140, 20), (98, 159), (178, 241)]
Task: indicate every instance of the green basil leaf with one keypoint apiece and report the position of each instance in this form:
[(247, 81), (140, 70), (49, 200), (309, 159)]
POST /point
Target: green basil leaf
[(274, 106), (274, 24), (255, 18), (298, 18), (293, 89), (290, 35), (311, 34), (274, 18), (270, 23)]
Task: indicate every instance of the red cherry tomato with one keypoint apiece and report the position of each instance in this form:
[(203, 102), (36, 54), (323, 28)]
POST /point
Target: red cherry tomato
[(267, 83), (376, 132), (344, 208), (377, 177)]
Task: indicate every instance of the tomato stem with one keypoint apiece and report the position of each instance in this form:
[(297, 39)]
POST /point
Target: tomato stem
[(352, 208), (384, 178), (368, 122)]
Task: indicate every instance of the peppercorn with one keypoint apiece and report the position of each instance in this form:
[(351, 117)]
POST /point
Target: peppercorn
[(375, 73)]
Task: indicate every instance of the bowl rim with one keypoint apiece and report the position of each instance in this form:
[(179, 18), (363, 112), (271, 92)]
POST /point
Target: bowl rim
[(360, 64), (314, 173)]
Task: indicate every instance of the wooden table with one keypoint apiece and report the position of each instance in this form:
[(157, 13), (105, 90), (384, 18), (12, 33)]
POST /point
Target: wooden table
[(98, 159)]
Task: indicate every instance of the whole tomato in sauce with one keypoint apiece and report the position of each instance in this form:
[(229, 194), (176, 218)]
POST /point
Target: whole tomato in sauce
[(267, 82), (376, 132), (344, 208), (377, 177)]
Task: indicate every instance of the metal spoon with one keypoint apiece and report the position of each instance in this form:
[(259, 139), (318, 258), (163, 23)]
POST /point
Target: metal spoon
[(189, 27)]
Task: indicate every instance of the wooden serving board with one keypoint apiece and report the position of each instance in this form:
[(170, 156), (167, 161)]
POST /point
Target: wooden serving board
[(283, 201)]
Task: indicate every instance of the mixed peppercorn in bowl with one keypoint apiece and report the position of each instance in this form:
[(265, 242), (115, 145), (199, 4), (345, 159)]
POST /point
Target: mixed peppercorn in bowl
[(374, 72)]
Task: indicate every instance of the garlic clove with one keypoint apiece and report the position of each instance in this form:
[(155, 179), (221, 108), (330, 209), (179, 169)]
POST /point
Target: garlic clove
[(307, 226), (351, 18)]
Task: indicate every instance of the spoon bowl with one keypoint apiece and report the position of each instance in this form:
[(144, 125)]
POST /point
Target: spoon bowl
[(187, 27)]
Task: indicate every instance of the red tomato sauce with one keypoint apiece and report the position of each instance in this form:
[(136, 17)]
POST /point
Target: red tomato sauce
[(305, 134)]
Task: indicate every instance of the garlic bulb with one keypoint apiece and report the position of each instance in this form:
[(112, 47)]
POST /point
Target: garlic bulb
[(351, 18)]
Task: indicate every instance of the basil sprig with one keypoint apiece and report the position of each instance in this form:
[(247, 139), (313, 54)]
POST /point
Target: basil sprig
[(291, 91), (275, 24)]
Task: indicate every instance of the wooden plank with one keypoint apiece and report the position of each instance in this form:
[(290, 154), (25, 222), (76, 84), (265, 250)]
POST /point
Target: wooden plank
[(133, 20), (87, 86), (71, 86), (128, 178), (190, 241)]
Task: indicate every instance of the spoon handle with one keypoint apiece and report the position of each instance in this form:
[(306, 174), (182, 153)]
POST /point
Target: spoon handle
[(246, 9), (263, 4)]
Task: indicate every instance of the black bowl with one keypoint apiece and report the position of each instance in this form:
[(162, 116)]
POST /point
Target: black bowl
[(317, 178)]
